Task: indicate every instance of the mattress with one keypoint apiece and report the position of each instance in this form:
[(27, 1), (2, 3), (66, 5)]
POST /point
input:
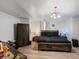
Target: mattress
[(54, 39)]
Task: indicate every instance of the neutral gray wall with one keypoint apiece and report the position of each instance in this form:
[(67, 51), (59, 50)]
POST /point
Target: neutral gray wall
[(69, 23), (7, 26), (76, 28), (62, 24)]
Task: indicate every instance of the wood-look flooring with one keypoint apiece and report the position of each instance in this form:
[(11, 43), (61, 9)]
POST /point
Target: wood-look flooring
[(34, 54)]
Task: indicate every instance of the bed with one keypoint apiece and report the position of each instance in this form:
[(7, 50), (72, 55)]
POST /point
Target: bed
[(51, 40)]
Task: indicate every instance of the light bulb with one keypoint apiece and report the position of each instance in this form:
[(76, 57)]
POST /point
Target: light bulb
[(55, 17), (58, 16)]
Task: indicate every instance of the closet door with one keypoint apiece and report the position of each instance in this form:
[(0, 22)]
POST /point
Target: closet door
[(22, 37)]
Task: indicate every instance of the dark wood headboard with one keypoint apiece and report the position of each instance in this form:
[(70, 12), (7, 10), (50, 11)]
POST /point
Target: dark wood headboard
[(49, 33)]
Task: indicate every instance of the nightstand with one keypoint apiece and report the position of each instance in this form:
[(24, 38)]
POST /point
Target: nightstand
[(75, 42)]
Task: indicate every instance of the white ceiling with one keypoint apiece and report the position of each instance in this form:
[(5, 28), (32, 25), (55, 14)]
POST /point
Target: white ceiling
[(43, 7), (12, 7), (22, 8)]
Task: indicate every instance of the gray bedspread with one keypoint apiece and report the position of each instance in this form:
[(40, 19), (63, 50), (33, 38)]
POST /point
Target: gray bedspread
[(54, 39)]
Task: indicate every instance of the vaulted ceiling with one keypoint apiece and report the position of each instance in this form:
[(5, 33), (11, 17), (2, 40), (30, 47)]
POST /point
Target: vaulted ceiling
[(25, 8)]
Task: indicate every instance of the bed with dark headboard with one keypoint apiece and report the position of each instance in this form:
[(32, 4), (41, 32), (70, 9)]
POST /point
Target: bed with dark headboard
[(52, 37), (51, 40)]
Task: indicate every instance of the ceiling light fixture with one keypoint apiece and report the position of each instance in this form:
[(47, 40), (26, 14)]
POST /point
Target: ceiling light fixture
[(55, 14)]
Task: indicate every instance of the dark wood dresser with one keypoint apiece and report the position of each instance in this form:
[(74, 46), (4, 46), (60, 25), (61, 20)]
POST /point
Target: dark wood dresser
[(21, 32)]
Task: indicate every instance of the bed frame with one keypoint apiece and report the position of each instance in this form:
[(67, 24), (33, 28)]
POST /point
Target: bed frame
[(50, 46)]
